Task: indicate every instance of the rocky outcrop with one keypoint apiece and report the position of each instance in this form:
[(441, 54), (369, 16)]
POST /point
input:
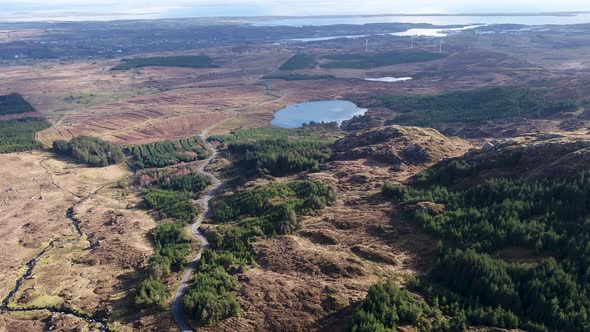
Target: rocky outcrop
[(398, 145), (544, 154)]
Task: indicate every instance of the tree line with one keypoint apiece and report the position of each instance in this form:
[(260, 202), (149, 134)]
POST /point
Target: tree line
[(278, 152), (476, 105), (166, 153), (387, 307), (172, 248), (90, 150), (182, 179), (14, 103), (280, 157), (19, 134)]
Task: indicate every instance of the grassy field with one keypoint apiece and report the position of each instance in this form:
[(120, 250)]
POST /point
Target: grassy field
[(194, 61), (19, 134), (297, 77), (473, 106), (14, 103), (368, 61), (299, 61)]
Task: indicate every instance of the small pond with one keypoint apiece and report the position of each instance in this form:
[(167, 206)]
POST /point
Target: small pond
[(388, 79), (294, 116)]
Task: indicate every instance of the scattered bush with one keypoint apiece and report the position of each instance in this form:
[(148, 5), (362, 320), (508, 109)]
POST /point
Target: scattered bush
[(151, 293), (263, 211)]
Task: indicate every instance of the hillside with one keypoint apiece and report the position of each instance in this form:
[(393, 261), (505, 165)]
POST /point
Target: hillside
[(400, 146), (511, 219), (311, 278)]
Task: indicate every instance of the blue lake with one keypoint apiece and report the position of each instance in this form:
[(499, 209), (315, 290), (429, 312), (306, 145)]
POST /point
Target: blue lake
[(294, 116)]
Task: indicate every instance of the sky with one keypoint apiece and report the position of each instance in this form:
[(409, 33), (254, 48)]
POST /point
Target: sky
[(177, 8)]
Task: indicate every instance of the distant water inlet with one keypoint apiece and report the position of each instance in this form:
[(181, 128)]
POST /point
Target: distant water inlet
[(295, 116)]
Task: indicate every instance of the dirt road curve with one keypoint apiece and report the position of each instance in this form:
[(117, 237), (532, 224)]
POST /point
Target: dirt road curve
[(177, 311)]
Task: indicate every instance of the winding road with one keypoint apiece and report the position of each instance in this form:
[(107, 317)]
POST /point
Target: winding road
[(177, 311)]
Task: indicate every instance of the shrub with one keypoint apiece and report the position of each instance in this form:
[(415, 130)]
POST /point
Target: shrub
[(151, 293), (210, 299)]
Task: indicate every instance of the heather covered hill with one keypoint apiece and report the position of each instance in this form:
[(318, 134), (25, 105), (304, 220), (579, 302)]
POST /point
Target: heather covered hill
[(398, 145)]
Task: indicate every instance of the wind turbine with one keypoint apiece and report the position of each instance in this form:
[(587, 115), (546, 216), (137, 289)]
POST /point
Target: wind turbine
[(412, 42), (367, 44), (440, 48)]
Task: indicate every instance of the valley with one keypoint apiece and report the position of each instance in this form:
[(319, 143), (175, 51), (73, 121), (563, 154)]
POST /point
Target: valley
[(150, 189)]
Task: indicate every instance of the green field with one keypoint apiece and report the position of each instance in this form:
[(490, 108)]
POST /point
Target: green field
[(473, 106), (299, 61), (14, 103), (19, 134), (297, 77), (368, 61), (193, 61)]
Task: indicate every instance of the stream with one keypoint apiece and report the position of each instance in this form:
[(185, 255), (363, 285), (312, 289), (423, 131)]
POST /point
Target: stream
[(70, 216), (30, 266), (96, 320), (100, 321)]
